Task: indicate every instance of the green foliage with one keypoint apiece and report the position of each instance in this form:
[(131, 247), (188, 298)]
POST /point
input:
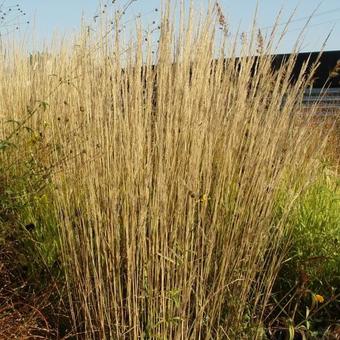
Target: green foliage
[(316, 232), (306, 296), (26, 217)]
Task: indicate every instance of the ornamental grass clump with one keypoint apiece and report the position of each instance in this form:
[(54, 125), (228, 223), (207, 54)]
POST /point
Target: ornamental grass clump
[(166, 169)]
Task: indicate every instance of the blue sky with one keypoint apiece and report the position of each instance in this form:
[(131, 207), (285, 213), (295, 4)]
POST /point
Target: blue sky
[(63, 16)]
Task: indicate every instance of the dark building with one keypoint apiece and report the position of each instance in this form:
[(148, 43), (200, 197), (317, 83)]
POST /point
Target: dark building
[(328, 72), (325, 89)]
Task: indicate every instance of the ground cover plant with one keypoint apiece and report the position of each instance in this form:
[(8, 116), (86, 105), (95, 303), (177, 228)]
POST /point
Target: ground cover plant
[(159, 192)]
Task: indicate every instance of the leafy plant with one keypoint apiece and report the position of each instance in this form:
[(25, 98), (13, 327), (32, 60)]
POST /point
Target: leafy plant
[(307, 295)]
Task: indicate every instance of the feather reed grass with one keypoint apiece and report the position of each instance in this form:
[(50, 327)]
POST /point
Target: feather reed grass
[(167, 175)]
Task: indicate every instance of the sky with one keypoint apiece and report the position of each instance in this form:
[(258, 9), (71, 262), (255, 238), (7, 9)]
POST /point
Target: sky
[(49, 16)]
